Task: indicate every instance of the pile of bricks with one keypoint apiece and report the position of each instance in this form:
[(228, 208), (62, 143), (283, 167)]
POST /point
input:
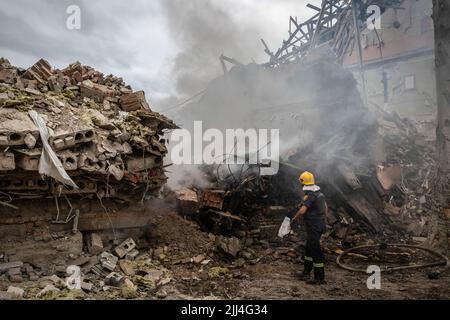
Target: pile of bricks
[(106, 136)]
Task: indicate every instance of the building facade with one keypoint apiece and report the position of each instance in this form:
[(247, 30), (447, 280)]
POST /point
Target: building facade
[(398, 62)]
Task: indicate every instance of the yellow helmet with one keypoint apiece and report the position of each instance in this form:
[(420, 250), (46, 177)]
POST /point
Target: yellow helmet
[(307, 178)]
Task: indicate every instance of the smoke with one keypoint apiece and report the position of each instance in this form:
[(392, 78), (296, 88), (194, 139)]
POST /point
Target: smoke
[(188, 175), (316, 107), (311, 105), (204, 30)]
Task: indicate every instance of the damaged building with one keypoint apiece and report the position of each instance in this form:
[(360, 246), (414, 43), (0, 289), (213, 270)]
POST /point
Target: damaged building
[(86, 183), (77, 148), (375, 164)]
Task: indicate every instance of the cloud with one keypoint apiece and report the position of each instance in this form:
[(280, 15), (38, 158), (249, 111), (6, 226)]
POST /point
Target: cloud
[(165, 47), (203, 30), (115, 37)]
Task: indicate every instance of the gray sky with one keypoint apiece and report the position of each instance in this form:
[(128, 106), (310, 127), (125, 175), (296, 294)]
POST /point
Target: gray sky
[(160, 46)]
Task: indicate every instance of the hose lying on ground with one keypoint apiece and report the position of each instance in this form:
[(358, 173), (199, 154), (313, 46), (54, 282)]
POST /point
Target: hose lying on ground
[(445, 261)]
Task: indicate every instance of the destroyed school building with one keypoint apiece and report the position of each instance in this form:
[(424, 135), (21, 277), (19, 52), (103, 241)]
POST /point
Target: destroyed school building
[(81, 153)]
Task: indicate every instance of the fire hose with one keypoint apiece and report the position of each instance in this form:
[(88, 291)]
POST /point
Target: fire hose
[(444, 259)]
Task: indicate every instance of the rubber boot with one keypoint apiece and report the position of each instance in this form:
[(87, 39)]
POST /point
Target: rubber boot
[(319, 276), (307, 268)]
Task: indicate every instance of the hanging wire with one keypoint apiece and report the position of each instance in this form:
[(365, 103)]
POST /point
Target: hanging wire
[(109, 218)]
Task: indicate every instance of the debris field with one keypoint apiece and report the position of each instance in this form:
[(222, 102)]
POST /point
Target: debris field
[(82, 184)]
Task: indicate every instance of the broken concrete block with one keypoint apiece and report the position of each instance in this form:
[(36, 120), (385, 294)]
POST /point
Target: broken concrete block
[(114, 279), (116, 171), (4, 140), (84, 186), (127, 267), (15, 126), (122, 249), (15, 292), (64, 139), (108, 261), (9, 265), (69, 141), (86, 286), (7, 161), (65, 114), (230, 245), (29, 84), (134, 101), (8, 75), (40, 71), (19, 184), (77, 77), (95, 243), (58, 144), (30, 140), (68, 159), (140, 164), (132, 254), (94, 91), (56, 83), (28, 159)]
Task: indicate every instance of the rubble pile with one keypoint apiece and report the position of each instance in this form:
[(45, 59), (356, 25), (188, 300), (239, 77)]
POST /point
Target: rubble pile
[(173, 258), (87, 133), (122, 272), (371, 164)]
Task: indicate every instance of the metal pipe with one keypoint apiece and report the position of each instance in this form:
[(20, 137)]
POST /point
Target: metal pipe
[(445, 261)]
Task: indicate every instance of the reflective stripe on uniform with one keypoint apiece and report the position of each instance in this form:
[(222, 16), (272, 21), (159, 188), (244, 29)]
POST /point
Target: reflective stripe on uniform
[(308, 258), (318, 265)]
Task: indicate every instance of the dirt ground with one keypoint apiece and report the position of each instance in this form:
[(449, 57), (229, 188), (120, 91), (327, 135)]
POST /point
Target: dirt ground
[(174, 243), (274, 277)]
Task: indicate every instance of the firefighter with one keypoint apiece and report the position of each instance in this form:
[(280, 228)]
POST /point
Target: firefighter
[(313, 210)]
